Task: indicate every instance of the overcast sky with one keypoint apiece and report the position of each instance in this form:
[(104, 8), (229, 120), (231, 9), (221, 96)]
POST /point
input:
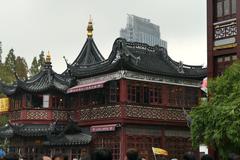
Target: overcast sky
[(59, 26)]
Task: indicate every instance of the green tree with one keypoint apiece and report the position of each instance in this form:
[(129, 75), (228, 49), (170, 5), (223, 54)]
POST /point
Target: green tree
[(21, 68), (216, 122), (6, 75), (10, 61), (34, 67), (7, 68), (41, 60), (3, 120)]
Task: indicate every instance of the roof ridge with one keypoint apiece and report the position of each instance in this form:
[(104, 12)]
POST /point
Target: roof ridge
[(89, 49)]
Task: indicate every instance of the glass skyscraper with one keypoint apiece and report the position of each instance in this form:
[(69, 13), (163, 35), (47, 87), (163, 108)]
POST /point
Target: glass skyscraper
[(142, 30)]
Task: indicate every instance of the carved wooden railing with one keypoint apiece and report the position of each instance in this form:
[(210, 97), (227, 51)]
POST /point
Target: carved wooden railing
[(130, 112), (155, 113), (39, 114), (99, 112), (225, 29), (225, 34)]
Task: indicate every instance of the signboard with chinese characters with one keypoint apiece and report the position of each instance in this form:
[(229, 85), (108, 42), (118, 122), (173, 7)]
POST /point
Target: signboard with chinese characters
[(103, 128), (4, 104)]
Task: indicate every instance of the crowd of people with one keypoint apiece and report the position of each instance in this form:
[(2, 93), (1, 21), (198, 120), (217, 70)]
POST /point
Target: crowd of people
[(106, 154)]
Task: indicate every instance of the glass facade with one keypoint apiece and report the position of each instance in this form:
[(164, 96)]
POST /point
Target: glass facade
[(142, 30)]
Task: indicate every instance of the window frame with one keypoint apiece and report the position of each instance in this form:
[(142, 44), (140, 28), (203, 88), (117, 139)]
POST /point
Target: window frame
[(221, 4)]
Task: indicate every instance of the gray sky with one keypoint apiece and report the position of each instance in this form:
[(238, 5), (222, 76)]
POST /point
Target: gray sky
[(59, 26)]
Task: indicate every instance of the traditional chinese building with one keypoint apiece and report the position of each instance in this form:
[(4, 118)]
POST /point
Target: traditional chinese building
[(134, 98), (223, 25), (40, 119)]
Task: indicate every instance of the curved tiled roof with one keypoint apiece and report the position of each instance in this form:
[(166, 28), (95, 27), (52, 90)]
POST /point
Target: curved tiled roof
[(7, 89), (26, 130), (68, 135), (42, 82), (71, 135), (89, 54), (69, 139), (140, 57)]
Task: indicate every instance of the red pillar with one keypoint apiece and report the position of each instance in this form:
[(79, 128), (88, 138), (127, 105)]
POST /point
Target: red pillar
[(50, 102), (24, 101), (123, 143), (123, 91), (210, 60), (123, 95), (165, 95), (50, 111), (23, 114)]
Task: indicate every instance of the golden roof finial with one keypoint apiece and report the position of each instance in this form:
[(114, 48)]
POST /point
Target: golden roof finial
[(90, 27), (48, 57)]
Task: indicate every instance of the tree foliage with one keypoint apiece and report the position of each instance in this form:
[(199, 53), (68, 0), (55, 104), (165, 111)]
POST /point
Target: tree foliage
[(10, 61), (13, 64), (34, 67), (21, 68), (3, 120), (7, 68), (41, 60), (37, 64), (217, 122), (6, 75)]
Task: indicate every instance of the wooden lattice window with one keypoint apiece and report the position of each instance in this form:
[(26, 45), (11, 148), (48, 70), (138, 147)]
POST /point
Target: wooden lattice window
[(176, 96), (144, 93), (223, 62), (144, 144), (132, 93), (110, 141), (91, 97), (76, 152), (191, 96), (16, 102), (114, 91), (225, 8), (177, 146), (34, 100), (180, 96), (58, 102)]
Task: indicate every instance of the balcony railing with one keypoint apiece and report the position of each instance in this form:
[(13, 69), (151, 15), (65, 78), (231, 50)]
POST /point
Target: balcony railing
[(130, 112), (39, 114)]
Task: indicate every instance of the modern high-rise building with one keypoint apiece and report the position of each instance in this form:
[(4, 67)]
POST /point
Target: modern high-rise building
[(142, 30), (223, 26)]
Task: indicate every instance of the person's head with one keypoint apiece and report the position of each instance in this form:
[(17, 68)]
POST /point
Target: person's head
[(132, 154), (206, 157), (58, 156), (12, 156), (46, 158), (101, 154), (189, 156)]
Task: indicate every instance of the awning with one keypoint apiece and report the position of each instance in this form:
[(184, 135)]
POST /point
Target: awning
[(103, 128), (85, 87)]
